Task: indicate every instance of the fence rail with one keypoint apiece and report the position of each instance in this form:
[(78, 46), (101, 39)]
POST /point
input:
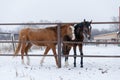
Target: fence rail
[(86, 56), (10, 41), (56, 23)]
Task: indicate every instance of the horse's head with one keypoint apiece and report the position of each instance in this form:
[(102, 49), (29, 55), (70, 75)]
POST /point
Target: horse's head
[(68, 29), (87, 28)]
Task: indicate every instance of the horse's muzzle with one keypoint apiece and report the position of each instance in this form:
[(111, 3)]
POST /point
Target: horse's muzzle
[(73, 36), (89, 38)]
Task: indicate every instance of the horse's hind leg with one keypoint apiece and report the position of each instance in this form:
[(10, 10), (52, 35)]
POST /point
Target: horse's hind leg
[(45, 53), (29, 45), (81, 52), (74, 48), (22, 52), (23, 43)]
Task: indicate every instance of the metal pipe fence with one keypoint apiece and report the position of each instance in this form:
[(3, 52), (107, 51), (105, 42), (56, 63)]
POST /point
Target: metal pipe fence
[(59, 41)]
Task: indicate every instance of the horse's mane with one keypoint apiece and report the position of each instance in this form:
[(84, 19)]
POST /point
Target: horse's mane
[(80, 25), (52, 28)]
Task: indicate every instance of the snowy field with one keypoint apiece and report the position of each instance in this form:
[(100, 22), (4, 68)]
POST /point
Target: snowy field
[(94, 68)]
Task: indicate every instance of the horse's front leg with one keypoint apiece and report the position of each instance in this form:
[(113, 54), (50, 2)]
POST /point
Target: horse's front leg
[(68, 48), (66, 61), (55, 55), (81, 53), (45, 53), (65, 50), (74, 48)]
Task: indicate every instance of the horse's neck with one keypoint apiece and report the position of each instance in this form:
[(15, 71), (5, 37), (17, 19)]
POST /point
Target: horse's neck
[(79, 25), (80, 37)]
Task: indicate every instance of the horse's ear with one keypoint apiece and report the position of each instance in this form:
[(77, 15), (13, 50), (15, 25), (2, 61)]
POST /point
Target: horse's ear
[(90, 21), (63, 24), (72, 24), (84, 20)]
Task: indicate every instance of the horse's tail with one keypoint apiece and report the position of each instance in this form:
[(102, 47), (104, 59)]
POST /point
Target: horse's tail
[(17, 49), (19, 45)]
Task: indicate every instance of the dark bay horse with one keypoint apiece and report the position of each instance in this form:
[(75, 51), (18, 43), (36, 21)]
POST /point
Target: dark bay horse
[(46, 34), (82, 29)]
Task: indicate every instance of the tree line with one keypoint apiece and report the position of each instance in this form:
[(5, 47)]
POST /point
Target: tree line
[(112, 28)]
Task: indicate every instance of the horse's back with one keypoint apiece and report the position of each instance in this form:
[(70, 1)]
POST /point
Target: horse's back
[(42, 34), (33, 35)]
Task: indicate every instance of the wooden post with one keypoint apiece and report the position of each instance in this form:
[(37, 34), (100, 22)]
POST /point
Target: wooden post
[(59, 45)]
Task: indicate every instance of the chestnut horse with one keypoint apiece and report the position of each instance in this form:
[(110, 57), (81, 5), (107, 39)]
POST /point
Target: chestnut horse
[(30, 36), (82, 29)]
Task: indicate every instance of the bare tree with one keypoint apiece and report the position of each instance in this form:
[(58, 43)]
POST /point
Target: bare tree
[(115, 27)]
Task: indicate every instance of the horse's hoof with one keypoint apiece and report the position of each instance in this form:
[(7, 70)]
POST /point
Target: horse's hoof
[(41, 62), (66, 66), (23, 62), (28, 63), (81, 66), (74, 65)]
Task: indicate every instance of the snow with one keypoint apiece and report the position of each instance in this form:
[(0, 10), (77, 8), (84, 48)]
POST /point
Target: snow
[(94, 68)]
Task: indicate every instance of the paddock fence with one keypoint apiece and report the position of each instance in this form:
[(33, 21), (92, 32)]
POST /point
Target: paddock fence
[(13, 41)]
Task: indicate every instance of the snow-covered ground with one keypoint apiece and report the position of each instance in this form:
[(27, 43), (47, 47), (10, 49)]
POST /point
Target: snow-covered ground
[(94, 68)]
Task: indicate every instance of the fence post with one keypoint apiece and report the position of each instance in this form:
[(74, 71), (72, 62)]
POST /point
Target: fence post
[(59, 45), (12, 38), (119, 19)]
